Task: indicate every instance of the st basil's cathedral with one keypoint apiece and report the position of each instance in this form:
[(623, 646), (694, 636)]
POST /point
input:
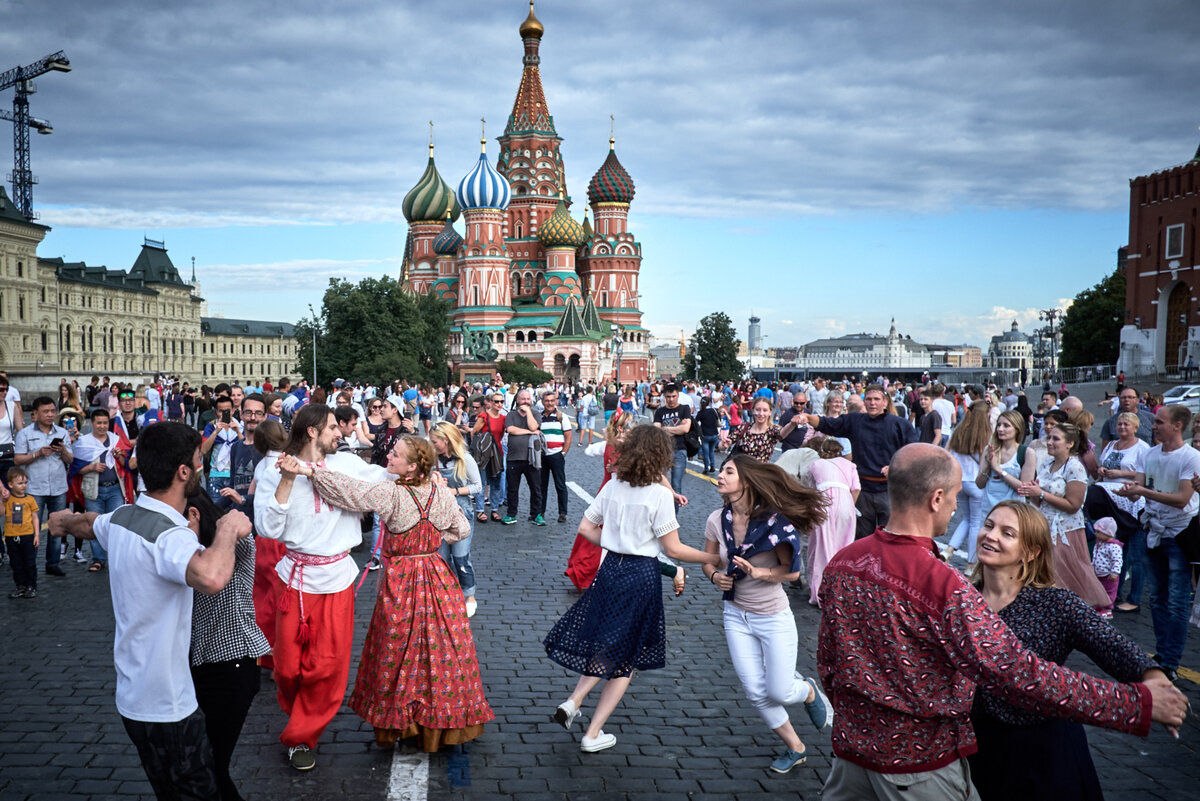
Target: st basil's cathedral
[(525, 278)]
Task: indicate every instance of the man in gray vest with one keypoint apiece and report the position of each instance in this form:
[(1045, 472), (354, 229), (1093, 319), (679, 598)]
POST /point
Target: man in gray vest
[(155, 561)]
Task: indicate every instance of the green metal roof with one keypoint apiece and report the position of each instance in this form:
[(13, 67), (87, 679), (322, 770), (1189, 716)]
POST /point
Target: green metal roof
[(570, 325), (224, 326), (10, 212), (154, 266)]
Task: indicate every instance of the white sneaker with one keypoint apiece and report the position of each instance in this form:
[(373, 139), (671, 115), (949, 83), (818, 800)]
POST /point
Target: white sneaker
[(80, 558), (566, 714), (599, 743), (472, 605)]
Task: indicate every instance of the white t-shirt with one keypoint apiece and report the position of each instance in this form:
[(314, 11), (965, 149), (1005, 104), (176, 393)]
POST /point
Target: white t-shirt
[(945, 410), (1166, 472), (149, 546), (633, 517), (9, 426)]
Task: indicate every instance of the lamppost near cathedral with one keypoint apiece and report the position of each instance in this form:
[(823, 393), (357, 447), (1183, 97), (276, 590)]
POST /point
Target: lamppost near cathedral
[(618, 347)]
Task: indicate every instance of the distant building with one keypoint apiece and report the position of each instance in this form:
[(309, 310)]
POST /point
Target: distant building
[(667, 360), (1011, 350), (61, 319), (857, 352), (1162, 326), (754, 339)]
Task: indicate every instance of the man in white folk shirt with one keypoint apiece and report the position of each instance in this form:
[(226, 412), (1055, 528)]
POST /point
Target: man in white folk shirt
[(314, 626)]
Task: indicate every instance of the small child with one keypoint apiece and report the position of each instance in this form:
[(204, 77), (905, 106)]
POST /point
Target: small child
[(1107, 560), (21, 533)]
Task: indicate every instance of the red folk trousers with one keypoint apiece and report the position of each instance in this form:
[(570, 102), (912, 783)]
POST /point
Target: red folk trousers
[(311, 679)]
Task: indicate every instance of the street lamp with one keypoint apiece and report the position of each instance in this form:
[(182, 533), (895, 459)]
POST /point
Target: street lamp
[(618, 346), (1051, 315), (697, 352), (314, 344)]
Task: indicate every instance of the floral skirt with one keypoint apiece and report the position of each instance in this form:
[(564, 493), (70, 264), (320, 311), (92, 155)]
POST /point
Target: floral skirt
[(617, 626)]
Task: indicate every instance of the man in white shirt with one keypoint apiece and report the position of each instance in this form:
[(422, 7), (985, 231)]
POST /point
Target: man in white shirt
[(1171, 506), (817, 396), (157, 561), (314, 625)]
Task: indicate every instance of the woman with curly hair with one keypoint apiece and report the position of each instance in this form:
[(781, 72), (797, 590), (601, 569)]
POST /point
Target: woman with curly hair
[(617, 626), (756, 538)]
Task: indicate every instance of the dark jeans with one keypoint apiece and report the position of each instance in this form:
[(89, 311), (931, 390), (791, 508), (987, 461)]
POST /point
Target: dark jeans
[(1170, 581), (225, 691), (23, 555), (876, 508), (532, 477), (46, 505), (553, 464), (177, 758)]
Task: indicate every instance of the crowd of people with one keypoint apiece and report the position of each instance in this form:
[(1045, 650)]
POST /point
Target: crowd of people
[(256, 496)]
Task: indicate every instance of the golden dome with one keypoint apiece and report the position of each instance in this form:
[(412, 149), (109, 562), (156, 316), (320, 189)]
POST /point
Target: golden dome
[(532, 27)]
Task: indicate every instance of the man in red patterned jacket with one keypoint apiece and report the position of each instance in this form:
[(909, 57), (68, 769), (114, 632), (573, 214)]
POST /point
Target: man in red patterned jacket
[(905, 639)]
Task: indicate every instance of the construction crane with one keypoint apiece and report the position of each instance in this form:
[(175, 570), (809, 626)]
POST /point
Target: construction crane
[(22, 78)]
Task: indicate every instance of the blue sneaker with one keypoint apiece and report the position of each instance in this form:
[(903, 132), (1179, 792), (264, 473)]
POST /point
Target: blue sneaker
[(819, 710), (788, 760)]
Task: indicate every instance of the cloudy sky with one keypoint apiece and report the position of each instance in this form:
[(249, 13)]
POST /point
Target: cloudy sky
[(826, 165)]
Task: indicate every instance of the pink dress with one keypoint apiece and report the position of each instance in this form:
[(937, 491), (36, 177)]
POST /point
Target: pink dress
[(837, 478)]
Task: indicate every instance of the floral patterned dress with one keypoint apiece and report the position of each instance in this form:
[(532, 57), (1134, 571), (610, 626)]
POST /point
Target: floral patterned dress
[(418, 675), (1072, 565), (757, 445)]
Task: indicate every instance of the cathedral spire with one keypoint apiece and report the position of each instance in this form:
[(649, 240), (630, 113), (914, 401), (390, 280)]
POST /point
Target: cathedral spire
[(530, 112)]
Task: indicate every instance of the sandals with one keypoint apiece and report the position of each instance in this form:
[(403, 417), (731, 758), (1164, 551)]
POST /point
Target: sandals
[(481, 517), (96, 567), (496, 516)]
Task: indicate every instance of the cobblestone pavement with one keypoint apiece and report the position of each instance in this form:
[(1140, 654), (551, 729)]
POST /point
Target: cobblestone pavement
[(682, 732)]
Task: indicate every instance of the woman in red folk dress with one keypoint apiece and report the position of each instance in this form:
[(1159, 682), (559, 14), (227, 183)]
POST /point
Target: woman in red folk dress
[(418, 675)]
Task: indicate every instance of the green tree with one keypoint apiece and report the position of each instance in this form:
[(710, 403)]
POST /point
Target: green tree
[(716, 342), (374, 331), (522, 371), (1091, 328)]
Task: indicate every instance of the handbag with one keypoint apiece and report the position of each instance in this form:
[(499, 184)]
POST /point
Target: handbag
[(691, 440)]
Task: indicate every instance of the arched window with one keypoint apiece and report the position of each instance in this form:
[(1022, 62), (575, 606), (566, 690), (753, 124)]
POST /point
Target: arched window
[(532, 336), (520, 337), (516, 284), (520, 230)]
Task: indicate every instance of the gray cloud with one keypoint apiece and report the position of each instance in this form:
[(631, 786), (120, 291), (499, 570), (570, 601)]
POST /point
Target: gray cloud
[(294, 111)]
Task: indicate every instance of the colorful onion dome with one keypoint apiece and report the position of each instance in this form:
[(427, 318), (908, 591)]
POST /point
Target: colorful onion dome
[(447, 242), (532, 27), (431, 198), (611, 184), (561, 230), (484, 188)]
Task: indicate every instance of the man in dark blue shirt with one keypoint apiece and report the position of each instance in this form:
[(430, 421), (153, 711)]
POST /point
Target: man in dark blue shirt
[(874, 436)]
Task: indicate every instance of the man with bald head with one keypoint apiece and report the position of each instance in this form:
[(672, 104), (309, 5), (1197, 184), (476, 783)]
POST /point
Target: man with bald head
[(1071, 405), (904, 640)]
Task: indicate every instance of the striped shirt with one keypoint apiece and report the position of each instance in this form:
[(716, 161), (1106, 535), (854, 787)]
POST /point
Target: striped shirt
[(554, 428)]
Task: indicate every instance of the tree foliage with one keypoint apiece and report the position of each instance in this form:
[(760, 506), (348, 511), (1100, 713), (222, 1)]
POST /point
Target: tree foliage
[(1091, 328), (375, 331), (522, 371), (717, 343)]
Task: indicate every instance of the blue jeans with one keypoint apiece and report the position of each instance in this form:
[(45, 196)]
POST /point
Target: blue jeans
[(678, 468), (215, 485), (108, 499), (46, 505), (495, 488), (708, 451), (1135, 561), (458, 556), (1170, 582)]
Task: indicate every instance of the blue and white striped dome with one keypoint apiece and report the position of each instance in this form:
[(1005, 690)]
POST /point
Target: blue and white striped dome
[(484, 188)]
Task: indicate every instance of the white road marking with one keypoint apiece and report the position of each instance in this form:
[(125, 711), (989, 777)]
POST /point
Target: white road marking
[(578, 490), (409, 780)]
